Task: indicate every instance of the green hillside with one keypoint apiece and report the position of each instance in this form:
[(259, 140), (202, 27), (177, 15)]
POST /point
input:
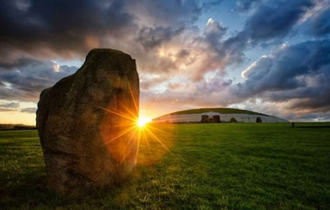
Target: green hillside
[(219, 110)]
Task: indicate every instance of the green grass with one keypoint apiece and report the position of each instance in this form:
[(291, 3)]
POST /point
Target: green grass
[(210, 166), (219, 110)]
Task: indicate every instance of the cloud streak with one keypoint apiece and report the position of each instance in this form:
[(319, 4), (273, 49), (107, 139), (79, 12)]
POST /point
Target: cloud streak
[(9, 107), (25, 83), (29, 110), (180, 61)]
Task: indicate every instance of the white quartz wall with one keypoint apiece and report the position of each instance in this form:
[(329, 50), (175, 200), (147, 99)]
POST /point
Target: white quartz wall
[(195, 118)]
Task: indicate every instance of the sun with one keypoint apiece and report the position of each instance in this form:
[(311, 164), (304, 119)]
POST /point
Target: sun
[(142, 121)]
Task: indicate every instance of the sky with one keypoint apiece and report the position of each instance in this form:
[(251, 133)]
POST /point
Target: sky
[(269, 56)]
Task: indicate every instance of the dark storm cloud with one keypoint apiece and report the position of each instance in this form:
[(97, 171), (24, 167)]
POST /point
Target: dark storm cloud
[(19, 63), (164, 20), (7, 107), (60, 26), (315, 117), (233, 48), (163, 37), (243, 6), (275, 19), (153, 37), (270, 21), (214, 31), (167, 13), (29, 110), (212, 91), (68, 29), (276, 78), (11, 105), (27, 83), (37, 31), (167, 19), (299, 73), (320, 22), (182, 53), (291, 78)]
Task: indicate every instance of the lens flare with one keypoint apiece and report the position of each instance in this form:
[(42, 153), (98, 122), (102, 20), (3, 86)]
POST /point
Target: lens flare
[(142, 121), (132, 139)]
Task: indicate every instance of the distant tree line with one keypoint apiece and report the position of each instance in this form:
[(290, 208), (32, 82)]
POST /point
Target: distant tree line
[(16, 127)]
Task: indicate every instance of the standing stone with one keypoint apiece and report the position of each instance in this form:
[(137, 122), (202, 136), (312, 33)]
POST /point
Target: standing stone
[(86, 123)]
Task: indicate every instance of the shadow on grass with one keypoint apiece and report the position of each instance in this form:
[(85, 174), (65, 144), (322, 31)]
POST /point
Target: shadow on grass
[(313, 126), (30, 191)]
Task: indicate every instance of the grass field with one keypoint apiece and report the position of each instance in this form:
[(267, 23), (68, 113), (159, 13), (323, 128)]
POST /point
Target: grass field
[(209, 166)]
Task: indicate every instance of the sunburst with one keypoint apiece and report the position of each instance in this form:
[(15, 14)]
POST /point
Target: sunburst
[(142, 121), (124, 139)]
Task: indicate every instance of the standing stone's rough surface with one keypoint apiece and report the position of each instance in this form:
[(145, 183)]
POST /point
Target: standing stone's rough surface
[(86, 123)]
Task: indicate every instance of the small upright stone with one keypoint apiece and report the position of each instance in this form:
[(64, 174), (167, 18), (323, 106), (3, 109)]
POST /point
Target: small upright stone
[(86, 123)]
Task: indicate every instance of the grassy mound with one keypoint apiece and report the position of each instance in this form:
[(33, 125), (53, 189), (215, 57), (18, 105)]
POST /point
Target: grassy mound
[(219, 110)]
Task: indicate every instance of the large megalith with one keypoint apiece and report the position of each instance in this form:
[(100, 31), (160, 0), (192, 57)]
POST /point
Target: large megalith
[(86, 123)]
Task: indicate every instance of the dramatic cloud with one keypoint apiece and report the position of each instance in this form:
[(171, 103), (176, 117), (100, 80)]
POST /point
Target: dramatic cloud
[(27, 82), (56, 28), (71, 29), (186, 51), (295, 74), (214, 31), (5, 107), (243, 6), (166, 13), (153, 37), (10, 105), (320, 22), (274, 19), (291, 82), (212, 91), (29, 110)]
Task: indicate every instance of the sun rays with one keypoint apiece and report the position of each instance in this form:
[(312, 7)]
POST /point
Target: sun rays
[(142, 121), (132, 135), (131, 138)]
